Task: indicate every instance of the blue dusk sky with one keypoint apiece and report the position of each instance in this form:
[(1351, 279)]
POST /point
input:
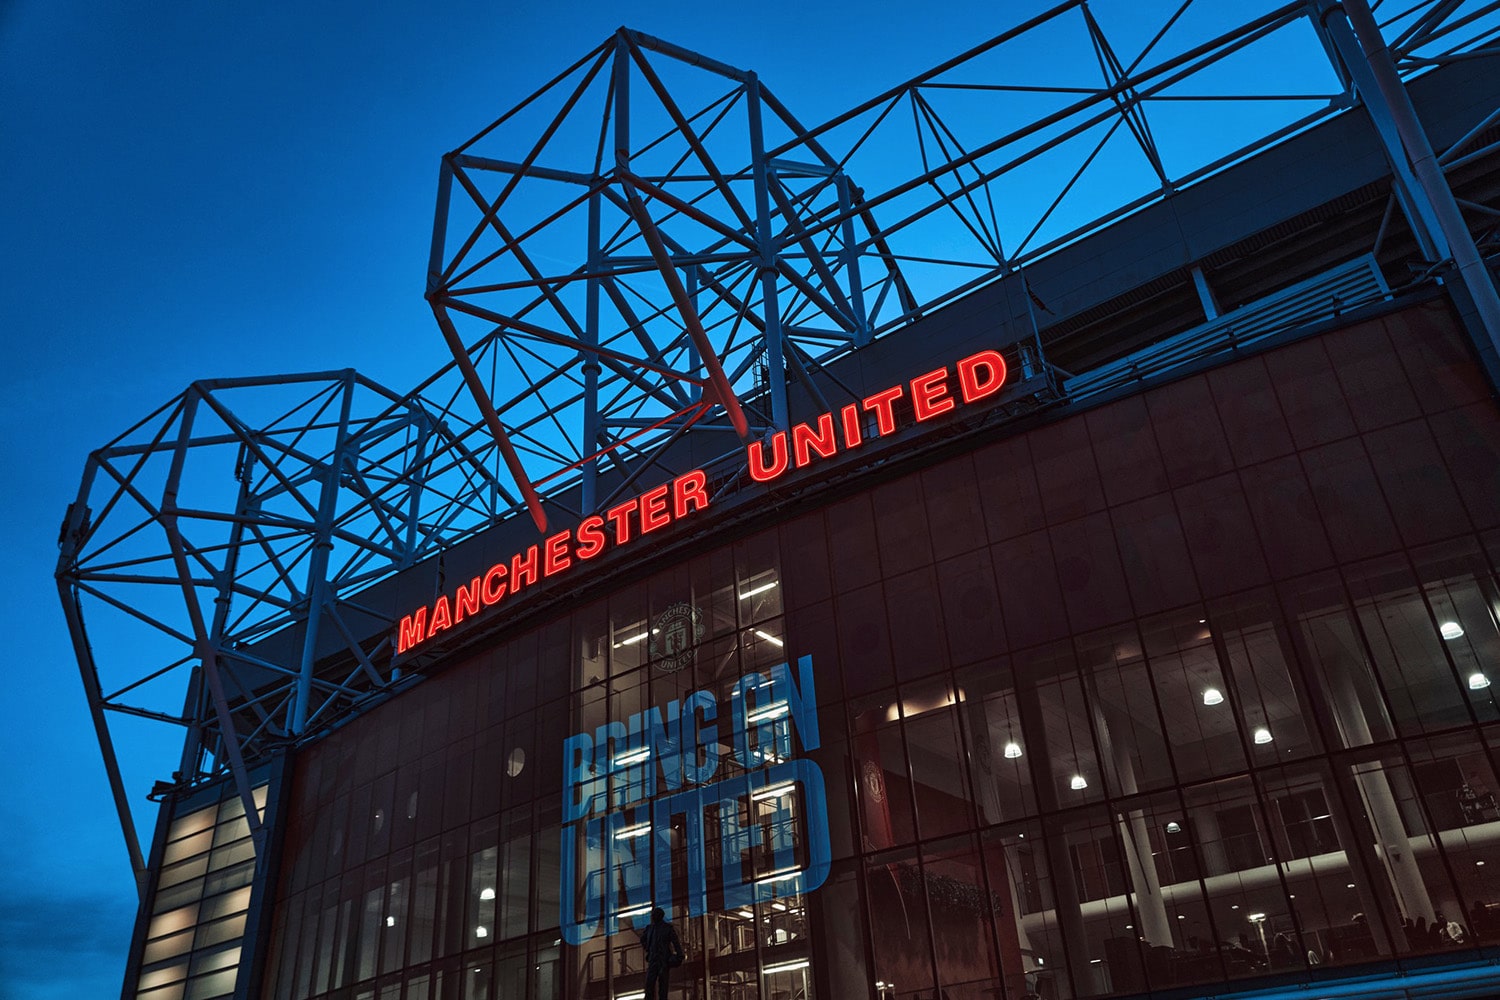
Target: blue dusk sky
[(203, 188)]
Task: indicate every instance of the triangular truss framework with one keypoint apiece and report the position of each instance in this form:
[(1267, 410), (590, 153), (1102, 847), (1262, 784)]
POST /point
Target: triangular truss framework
[(648, 244)]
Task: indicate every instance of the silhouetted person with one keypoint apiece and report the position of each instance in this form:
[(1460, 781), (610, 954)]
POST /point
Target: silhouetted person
[(1282, 952), (1479, 919), (663, 952)]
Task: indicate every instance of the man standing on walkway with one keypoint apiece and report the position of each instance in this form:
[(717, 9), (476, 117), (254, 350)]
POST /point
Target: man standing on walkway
[(663, 953)]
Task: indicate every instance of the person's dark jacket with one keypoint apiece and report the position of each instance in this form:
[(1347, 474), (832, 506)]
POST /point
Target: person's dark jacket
[(661, 944)]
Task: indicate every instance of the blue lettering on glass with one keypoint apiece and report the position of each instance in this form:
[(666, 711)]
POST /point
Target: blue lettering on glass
[(637, 804)]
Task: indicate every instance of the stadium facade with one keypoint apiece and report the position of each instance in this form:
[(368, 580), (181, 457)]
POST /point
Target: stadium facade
[(1124, 624)]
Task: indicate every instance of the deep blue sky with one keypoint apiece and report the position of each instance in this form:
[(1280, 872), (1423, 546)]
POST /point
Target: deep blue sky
[(200, 188)]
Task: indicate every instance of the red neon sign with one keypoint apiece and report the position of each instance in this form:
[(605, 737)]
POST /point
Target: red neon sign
[(635, 518), (979, 376)]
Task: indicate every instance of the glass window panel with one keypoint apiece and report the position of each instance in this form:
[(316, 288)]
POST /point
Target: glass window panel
[(1057, 717), (173, 991), (1319, 840), (900, 939), (299, 968), (453, 893), (231, 854), (371, 923), (212, 986), (1186, 674), (885, 791), (1127, 724), (169, 947), (182, 871), (511, 971), (177, 895), (1104, 935), (963, 910), (220, 931), (1461, 591), (546, 971), (940, 784), (515, 868), (1336, 648), (1240, 878), (1171, 917), (1267, 696), (1032, 959), (397, 916), (1441, 815), (224, 905), (839, 911), (996, 743), (423, 922), (186, 847), (1405, 647), (548, 866)]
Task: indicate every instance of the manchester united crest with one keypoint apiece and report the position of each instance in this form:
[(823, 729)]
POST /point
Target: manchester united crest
[(674, 638)]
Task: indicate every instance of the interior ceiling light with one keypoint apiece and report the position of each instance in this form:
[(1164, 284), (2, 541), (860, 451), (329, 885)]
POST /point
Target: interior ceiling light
[(1012, 750), (1212, 696), (1174, 827), (757, 590), (1262, 735), (1451, 630), (1478, 681), (1079, 783)]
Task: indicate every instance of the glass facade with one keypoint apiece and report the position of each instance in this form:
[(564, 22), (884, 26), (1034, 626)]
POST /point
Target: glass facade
[(195, 929), (1189, 688)]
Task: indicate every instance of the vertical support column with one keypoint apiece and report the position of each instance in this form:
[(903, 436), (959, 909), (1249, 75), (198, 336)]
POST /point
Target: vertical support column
[(1352, 66), (695, 362), (317, 565), (775, 357), (589, 496), (1135, 838), (1389, 99), (851, 263), (1205, 293), (418, 473), (1393, 845)]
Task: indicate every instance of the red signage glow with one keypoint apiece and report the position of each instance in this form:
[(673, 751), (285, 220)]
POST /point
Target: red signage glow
[(979, 376), (639, 516)]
